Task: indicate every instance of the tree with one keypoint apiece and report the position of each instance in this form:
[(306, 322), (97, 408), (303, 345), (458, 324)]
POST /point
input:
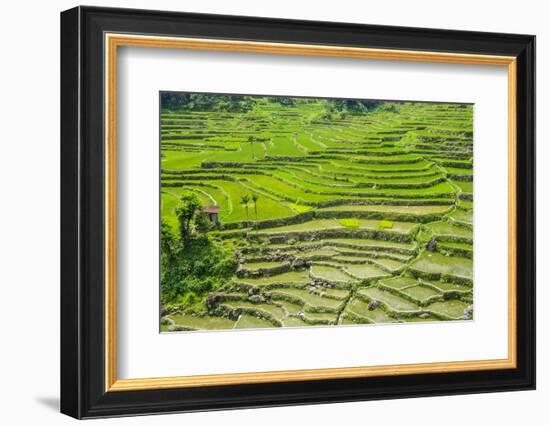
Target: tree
[(189, 204), (251, 141), (244, 202), (202, 223), (340, 108), (254, 197), (171, 101), (166, 239)]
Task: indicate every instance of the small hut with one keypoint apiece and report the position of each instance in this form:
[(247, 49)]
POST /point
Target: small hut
[(212, 212)]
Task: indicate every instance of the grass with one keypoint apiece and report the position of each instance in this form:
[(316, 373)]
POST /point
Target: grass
[(396, 209), (465, 186), (291, 308), (366, 253), (247, 321), (294, 277), (266, 207), (389, 264), (271, 309), (452, 308), (315, 253), (202, 323), (377, 315), (294, 322), (365, 271), (332, 224), (336, 293), (372, 244), (262, 265), (394, 302), (307, 298), (446, 286), (437, 264), (320, 318), (420, 293), (461, 216), (331, 274), (442, 228), (300, 208), (399, 282)]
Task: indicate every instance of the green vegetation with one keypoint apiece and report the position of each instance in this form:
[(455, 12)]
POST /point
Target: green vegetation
[(191, 264), (351, 223), (289, 212), (385, 224)]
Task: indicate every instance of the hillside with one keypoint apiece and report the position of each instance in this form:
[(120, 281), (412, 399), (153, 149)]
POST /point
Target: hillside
[(327, 210)]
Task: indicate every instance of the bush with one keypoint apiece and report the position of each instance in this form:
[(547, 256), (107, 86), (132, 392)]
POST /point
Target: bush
[(385, 224), (351, 223), (193, 269)]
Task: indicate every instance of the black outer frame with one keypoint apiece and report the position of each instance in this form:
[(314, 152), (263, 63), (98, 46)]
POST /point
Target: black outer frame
[(82, 208)]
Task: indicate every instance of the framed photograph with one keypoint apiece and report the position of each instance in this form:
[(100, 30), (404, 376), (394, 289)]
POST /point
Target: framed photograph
[(261, 212)]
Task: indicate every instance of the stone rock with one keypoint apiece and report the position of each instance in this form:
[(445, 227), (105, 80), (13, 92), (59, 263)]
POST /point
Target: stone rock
[(256, 299), (298, 263), (372, 304), (431, 246), (212, 301), (468, 312), (424, 315), (166, 321), (165, 311)]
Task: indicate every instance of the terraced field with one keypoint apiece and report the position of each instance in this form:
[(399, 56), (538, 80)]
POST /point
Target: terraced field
[(333, 216)]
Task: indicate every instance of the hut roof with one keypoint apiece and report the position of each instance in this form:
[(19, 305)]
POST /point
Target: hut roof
[(211, 209)]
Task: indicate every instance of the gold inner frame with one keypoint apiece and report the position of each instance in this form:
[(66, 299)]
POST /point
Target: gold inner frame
[(113, 41)]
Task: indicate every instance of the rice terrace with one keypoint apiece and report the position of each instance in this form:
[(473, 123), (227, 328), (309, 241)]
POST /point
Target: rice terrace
[(293, 212)]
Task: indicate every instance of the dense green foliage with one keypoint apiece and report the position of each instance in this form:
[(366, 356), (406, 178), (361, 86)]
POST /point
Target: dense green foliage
[(179, 102), (339, 108), (191, 264), (185, 212), (202, 102)]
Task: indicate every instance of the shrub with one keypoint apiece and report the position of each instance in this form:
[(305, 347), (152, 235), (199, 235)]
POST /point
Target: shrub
[(301, 208), (351, 223), (385, 224), (193, 269)]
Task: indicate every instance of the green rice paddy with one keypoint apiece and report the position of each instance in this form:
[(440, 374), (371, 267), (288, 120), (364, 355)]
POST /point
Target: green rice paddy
[(333, 216)]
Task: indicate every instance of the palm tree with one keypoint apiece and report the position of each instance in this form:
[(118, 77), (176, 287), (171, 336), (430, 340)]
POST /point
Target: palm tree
[(244, 201), (254, 198), (251, 141)]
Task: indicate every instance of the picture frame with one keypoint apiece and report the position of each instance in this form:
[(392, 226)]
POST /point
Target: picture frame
[(90, 40)]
